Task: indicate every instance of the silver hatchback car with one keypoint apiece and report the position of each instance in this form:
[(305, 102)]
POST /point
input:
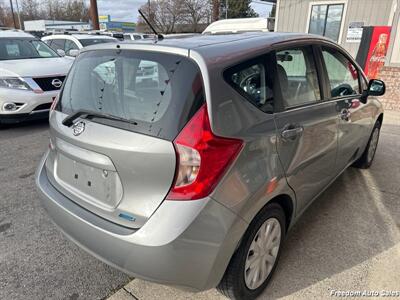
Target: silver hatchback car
[(186, 161)]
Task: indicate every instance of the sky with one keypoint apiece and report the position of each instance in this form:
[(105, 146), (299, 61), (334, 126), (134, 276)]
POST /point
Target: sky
[(127, 10)]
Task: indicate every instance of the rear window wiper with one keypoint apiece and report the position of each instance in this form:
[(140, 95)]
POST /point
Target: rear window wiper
[(68, 121)]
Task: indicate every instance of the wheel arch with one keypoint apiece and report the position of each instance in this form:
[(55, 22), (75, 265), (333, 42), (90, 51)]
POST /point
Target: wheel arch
[(287, 204), (380, 118)]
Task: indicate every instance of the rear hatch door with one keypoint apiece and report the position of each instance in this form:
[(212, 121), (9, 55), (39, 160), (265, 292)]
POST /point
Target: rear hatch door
[(120, 162)]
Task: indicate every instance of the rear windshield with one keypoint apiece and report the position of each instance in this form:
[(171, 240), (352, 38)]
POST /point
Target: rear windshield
[(156, 92), (88, 42)]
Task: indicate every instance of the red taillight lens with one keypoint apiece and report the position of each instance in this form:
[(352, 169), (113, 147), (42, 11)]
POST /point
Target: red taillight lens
[(202, 158)]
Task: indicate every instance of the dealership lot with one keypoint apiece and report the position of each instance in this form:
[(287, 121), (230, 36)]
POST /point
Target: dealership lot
[(348, 240), (36, 261)]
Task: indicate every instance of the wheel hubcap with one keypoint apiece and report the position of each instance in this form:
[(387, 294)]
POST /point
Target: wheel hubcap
[(373, 144), (262, 253)]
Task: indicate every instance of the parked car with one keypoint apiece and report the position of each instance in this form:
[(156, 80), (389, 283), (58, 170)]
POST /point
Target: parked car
[(238, 25), (137, 36), (31, 75), (70, 44), (195, 180)]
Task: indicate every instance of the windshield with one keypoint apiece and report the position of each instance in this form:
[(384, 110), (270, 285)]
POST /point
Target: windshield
[(15, 48), (88, 42), (156, 92)]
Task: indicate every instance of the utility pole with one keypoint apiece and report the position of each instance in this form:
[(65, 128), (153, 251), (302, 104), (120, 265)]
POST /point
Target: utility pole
[(19, 15), (94, 14), (215, 10), (12, 12), (226, 9)]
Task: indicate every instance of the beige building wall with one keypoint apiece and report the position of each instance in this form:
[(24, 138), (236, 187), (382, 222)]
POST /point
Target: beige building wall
[(393, 58), (294, 16)]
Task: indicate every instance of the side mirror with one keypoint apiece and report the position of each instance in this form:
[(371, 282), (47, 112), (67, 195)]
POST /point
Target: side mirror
[(60, 52), (73, 52), (376, 87)]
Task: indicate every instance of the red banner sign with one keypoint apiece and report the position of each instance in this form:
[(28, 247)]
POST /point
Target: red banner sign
[(377, 51)]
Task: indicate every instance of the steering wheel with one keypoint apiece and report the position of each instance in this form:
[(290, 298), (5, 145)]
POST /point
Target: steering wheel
[(248, 85), (342, 90)]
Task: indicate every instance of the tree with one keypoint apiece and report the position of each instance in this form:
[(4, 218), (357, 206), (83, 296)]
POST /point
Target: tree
[(163, 14), (6, 17), (169, 16), (196, 11), (68, 10), (272, 13), (238, 9), (215, 10), (77, 10), (30, 10), (4, 13)]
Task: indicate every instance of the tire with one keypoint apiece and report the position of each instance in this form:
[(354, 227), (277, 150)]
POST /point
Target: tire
[(233, 285), (366, 159)]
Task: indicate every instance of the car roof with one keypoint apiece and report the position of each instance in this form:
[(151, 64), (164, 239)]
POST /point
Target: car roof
[(213, 40), (216, 46), (81, 36), (15, 34), (92, 36)]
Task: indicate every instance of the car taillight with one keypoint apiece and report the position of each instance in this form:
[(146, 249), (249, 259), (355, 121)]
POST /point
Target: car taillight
[(202, 158)]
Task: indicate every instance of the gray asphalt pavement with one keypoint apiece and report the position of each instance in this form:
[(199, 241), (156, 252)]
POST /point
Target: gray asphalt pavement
[(36, 261), (348, 239)]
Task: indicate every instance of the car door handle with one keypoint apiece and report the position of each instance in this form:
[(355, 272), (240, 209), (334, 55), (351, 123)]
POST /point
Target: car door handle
[(345, 114), (292, 132)]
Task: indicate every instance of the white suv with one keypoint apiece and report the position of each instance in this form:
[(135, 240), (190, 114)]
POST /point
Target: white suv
[(31, 75), (70, 44)]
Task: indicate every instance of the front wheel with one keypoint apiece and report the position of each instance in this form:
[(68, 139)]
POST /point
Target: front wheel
[(254, 262), (366, 159)]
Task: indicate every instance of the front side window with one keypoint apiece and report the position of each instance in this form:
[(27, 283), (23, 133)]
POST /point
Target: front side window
[(24, 49), (250, 80), (342, 74), (297, 76), (326, 20), (152, 93), (58, 44), (70, 45)]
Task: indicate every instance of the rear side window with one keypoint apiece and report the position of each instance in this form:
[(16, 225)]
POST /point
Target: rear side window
[(297, 76), (157, 93), (342, 74), (249, 79)]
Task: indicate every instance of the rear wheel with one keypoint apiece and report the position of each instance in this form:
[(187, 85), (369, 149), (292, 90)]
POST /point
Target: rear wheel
[(366, 159), (254, 262)]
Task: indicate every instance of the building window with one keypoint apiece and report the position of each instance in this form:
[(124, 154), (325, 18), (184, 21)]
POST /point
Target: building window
[(326, 19)]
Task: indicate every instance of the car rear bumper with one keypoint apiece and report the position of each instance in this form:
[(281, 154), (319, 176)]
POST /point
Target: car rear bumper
[(185, 243)]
